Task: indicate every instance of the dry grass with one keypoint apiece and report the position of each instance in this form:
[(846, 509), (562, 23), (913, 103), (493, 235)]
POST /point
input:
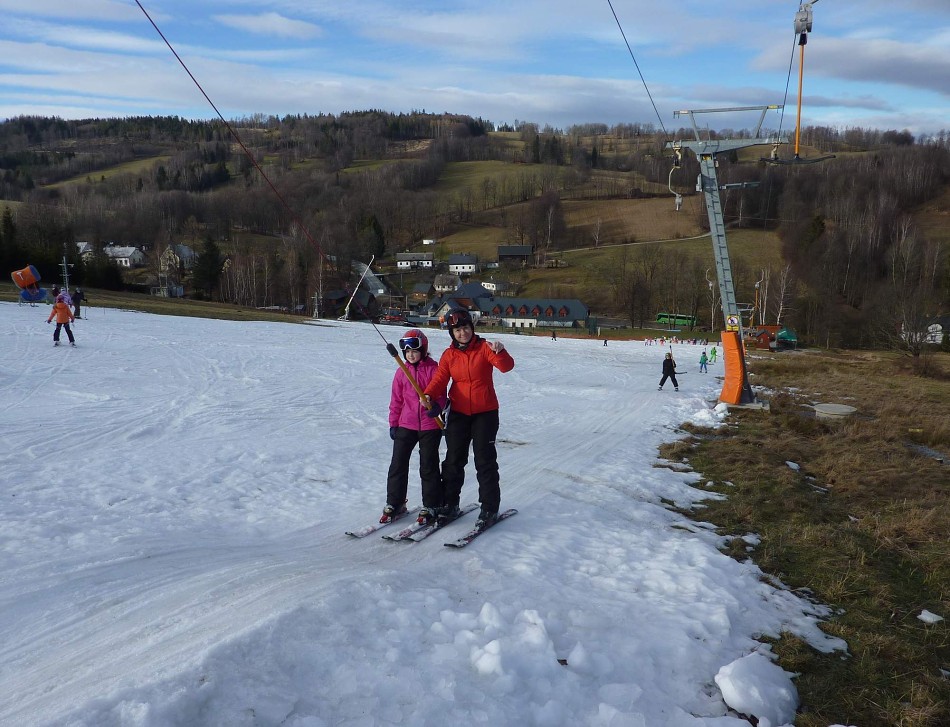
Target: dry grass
[(630, 220), (163, 306), (136, 167), (863, 525)]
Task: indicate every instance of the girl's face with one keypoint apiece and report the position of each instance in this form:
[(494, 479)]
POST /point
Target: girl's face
[(413, 355)]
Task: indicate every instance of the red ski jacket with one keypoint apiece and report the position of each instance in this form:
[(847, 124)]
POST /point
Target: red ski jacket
[(470, 370)]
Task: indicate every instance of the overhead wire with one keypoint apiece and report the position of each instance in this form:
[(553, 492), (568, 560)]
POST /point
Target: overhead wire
[(235, 135), (691, 201), (293, 215), (634, 59)]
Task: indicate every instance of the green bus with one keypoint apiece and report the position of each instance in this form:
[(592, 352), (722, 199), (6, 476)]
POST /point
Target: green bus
[(676, 319)]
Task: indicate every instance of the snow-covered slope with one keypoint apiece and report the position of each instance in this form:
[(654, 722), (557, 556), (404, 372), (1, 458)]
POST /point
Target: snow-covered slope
[(172, 550)]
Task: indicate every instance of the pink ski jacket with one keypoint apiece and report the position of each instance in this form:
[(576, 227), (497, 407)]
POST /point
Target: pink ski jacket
[(404, 407)]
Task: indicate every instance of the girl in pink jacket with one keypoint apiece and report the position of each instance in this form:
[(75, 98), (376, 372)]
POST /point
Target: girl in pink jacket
[(409, 425)]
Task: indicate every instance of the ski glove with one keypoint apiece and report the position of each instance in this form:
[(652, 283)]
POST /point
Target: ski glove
[(434, 410), (392, 433)]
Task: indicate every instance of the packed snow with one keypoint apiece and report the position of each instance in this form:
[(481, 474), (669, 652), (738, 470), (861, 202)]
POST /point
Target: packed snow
[(172, 548)]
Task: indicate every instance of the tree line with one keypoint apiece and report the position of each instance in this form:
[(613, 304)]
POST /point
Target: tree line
[(848, 237)]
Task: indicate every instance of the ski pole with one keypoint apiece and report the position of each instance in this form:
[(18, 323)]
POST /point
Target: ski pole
[(405, 369)]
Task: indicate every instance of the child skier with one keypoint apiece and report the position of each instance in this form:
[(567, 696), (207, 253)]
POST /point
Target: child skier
[(468, 362), (408, 426), (64, 316), (702, 362)]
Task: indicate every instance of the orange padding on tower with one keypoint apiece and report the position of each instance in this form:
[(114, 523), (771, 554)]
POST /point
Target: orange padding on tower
[(735, 370)]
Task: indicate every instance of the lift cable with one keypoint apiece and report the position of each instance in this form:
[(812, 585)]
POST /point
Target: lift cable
[(634, 59)]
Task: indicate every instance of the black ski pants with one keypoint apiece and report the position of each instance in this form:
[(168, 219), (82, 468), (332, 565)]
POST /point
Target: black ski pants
[(397, 482), (477, 431), (69, 332), (671, 377)]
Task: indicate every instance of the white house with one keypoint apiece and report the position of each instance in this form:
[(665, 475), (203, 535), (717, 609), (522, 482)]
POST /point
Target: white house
[(178, 257), (446, 283), (414, 260), (84, 249), (498, 287), (126, 257), (462, 264)]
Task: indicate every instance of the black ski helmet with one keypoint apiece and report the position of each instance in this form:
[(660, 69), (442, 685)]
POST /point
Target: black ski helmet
[(456, 318)]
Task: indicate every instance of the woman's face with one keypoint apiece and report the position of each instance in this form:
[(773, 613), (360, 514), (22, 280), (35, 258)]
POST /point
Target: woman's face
[(463, 334)]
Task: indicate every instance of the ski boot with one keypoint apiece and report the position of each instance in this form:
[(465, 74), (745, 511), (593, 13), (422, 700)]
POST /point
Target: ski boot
[(449, 513), (427, 515), (486, 518), (390, 512)]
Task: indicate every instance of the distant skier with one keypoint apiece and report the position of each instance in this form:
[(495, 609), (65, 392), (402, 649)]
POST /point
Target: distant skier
[(64, 317), (553, 335), (702, 363), (78, 298), (408, 426), (669, 372), (712, 355)]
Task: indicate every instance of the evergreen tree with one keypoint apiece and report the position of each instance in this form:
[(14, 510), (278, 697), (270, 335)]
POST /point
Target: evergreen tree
[(207, 271), (8, 241)]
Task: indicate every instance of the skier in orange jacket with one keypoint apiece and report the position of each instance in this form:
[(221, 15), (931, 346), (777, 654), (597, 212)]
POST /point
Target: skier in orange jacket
[(64, 316)]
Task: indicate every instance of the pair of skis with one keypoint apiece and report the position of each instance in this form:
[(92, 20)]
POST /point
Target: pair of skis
[(417, 532)]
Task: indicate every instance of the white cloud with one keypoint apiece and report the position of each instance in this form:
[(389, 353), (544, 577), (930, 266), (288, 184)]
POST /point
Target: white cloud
[(272, 24)]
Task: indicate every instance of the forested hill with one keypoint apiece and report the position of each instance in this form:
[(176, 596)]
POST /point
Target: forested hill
[(860, 234)]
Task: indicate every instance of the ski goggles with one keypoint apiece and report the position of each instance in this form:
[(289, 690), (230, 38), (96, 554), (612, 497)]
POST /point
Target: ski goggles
[(455, 320), (410, 343)]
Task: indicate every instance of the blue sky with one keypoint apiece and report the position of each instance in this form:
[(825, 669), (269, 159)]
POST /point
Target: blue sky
[(868, 63)]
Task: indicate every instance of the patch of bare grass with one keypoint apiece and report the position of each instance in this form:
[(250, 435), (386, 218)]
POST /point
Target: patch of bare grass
[(862, 525)]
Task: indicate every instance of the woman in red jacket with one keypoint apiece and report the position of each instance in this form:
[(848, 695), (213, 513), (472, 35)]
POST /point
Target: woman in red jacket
[(473, 421)]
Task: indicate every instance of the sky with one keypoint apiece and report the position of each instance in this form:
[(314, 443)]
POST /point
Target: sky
[(868, 63), (176, 493)]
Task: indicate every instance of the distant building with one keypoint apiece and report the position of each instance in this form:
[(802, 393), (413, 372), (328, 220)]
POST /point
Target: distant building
[(472, 290), (85, 250), (446, 283), (937, 329), (177, 257), (463, 264), (497, 287), (520, 254), (534, 312), (440, 306), (413, 260), (371, 284), (126, 257), (421, 292)]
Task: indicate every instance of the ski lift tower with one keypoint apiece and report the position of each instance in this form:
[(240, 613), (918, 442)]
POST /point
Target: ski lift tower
[(736, 389)]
